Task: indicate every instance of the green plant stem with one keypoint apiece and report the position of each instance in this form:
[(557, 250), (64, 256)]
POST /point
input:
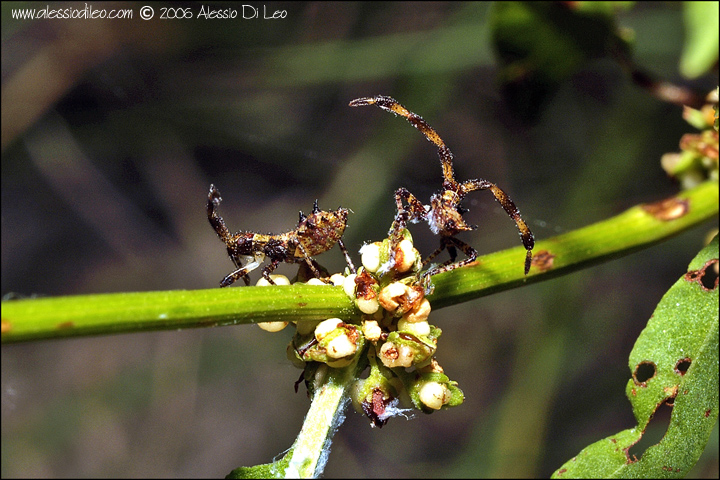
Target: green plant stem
[(55, 317), (327, 412), (636, 228), (309, 453)]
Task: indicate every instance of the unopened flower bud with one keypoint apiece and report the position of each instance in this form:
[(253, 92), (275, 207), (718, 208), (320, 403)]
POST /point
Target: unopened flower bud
[(405, 256), (366, 292), (337, 279), (272, 326), (393, 355), (416, 328), (349, 285), (370, 254), (315, 281), (341, 346), (368, 305), (325, 327), (278, 279), (371, 330), (391, 296), (420, 313), (434, 395)]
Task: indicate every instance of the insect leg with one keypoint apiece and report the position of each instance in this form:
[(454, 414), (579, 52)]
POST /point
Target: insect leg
[(239, 273), (444, 245), (310, 262), (437, 252), (347, 255), (243, 271), (389, 104), (414, 211), (528, 239), (450, 243), (269, 269)]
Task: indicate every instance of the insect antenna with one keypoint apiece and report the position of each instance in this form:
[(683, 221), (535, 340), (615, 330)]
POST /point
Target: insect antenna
[(216, 220)]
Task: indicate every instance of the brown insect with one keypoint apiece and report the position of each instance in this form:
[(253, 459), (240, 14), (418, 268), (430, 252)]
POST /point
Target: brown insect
[(316, 233), (444, 214)]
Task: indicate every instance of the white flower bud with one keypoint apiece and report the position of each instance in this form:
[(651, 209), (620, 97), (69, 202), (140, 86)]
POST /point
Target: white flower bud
[(434, 395), (337, 279), (391, 296), (278, 279), (416, 328), (370, 254), (393, 355), (325, 327), (405, 256), (349, 286), (371, 330), (340, 346), (315, 281), (420, 313), (272, 326), (367, 305)]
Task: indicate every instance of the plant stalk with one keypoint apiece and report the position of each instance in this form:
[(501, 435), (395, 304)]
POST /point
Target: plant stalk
[(72, 316)]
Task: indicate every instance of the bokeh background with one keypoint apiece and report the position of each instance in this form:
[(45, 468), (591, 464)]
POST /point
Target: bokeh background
[(112, 131)]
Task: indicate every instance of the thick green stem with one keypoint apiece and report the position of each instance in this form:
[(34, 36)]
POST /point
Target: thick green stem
[(327, 412), (55, 317), (636, 228)]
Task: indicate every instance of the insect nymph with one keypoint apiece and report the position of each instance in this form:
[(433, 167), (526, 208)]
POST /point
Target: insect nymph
[(316, 233), (444, 214)]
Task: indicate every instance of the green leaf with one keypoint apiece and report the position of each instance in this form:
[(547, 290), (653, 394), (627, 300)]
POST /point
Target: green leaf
[(675, 360), (700, 52)]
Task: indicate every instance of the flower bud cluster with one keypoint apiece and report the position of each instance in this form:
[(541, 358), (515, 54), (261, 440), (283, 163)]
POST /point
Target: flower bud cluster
[(332, 342), (698, 159), (394, 335), (388, 291)]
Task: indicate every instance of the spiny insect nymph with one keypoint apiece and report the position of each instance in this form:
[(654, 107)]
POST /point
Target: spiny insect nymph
[(316, 233), (444, 214)]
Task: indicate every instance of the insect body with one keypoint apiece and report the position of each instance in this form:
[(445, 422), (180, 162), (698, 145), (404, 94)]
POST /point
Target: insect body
[(444, 214), (316, 233)]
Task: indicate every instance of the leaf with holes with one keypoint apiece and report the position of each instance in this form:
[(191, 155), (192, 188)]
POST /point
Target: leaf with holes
[(674, 362)]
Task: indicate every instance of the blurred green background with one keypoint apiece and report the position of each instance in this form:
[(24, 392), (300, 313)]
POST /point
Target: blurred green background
[(113, 130)]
